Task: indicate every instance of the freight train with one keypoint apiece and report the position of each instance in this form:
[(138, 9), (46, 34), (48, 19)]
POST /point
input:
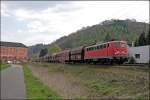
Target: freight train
[(108, 52)]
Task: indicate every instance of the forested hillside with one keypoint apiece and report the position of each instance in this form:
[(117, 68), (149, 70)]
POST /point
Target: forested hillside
[(128, 30), (33, 51)]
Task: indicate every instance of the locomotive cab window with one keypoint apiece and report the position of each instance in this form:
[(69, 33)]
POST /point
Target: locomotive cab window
[(123, 45), (93, 48), (97, 47), (90, 48), (119, 44), (101, 46)]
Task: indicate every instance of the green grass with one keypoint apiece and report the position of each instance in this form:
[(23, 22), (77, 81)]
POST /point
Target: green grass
[(103, 86), (108, 81), (36, 89), (3, 66)]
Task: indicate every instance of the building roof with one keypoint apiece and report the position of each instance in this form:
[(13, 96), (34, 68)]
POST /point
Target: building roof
[(12, 44)]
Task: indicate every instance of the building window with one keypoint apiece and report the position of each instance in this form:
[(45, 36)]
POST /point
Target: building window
[(137, 56)]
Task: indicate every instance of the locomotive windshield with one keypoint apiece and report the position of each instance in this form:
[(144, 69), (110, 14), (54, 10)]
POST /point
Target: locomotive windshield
[(119, 44)]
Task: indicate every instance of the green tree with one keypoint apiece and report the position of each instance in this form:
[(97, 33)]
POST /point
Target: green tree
[(43, 52), (107, 37), (148, 38), (53, 49), (142, 39), (136, 42)]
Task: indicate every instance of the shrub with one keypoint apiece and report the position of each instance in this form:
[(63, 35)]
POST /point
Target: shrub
[(132, 60)]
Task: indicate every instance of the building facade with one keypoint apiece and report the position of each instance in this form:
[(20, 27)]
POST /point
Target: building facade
[(10, 51), (140, 54)]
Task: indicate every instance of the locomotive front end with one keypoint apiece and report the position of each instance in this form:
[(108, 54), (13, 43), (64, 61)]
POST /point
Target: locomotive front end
[(120, 51)]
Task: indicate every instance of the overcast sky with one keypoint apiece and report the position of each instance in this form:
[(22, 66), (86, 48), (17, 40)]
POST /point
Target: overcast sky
[(32, 22)]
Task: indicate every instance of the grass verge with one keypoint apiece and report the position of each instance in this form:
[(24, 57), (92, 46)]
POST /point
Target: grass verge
[(120, 82), (3, 66), (36, 89)]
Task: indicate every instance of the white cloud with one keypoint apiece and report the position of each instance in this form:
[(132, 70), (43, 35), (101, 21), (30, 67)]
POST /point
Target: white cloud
[(4, 10), (40, 38), (36, 26), (68, 18), (53, 22), (19, 31), (23, 14)]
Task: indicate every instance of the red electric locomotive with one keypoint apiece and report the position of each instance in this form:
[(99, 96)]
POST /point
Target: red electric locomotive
[(113, 51)]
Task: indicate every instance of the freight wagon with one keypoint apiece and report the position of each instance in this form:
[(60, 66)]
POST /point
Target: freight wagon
[(77, 55)]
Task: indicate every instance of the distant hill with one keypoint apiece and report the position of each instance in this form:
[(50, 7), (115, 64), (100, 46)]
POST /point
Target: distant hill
[(33, 51), (127, 30)]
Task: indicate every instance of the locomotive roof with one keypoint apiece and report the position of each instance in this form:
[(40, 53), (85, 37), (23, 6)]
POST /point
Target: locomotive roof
[(104, 43)]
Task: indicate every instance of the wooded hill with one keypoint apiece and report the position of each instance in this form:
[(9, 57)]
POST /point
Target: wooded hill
[(128, 30)]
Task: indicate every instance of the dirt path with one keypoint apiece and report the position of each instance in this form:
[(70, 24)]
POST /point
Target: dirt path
[(65, 86)]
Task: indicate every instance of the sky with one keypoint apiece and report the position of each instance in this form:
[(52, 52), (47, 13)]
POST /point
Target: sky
[(33, 22)]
